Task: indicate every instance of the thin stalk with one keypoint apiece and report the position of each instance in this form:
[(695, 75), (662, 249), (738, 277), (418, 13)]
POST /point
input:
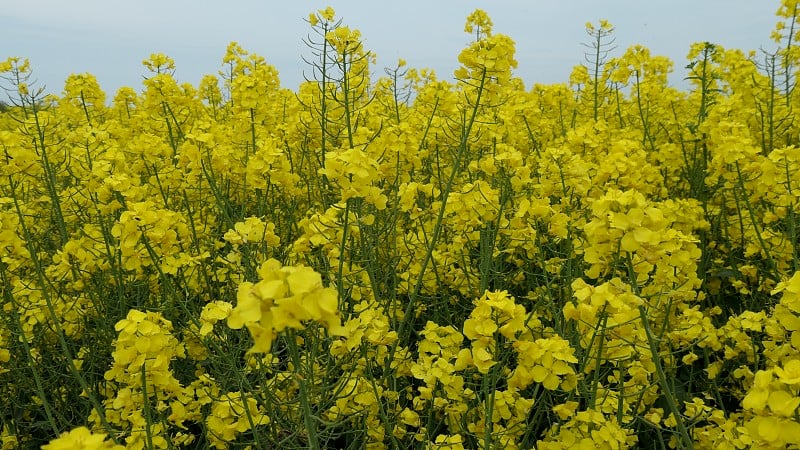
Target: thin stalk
[(309, 420), (146, 406), (664, 383)]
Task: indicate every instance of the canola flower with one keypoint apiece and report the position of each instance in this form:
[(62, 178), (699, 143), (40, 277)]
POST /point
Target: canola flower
[(284, 297), (81, 438)]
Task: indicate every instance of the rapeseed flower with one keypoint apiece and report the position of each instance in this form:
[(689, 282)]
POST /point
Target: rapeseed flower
[(285, 297), (81, 438)]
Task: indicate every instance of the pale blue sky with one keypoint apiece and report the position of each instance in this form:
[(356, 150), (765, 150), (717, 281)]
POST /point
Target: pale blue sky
[(110, 38)]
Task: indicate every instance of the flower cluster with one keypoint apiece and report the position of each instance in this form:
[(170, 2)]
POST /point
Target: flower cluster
[(145, 384), (283, 298)]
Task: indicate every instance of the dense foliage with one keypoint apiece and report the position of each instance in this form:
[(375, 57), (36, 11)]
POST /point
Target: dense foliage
[(405, 261)]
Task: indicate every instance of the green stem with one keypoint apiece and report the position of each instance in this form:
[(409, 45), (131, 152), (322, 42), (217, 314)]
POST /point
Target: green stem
[(309, 420)]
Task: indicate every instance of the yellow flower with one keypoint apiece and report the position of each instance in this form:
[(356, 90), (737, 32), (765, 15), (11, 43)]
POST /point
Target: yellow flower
[(758, 395), (479, 22), (565, 410), (83, 439), (303, 280), (775, 432), (231, 415), (482, 358), (263, 334), (477, 327), (213, 313), (546, 361), (159, 63), (791, 292), (690, 358), (327, 13), (410, 417), (445, 442), (248, 307), (783, 403), (285, 297), (789, 373)]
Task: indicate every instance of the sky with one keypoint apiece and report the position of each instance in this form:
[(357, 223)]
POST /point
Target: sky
[(110, 38)]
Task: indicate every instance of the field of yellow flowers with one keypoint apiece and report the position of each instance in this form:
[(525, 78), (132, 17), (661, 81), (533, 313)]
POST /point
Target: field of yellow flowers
[(404, 261)]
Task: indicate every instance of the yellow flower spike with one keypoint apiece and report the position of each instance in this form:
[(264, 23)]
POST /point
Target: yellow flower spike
[(479, 22), (285, 297), (542, 375), (159, 63), (328, 13)]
